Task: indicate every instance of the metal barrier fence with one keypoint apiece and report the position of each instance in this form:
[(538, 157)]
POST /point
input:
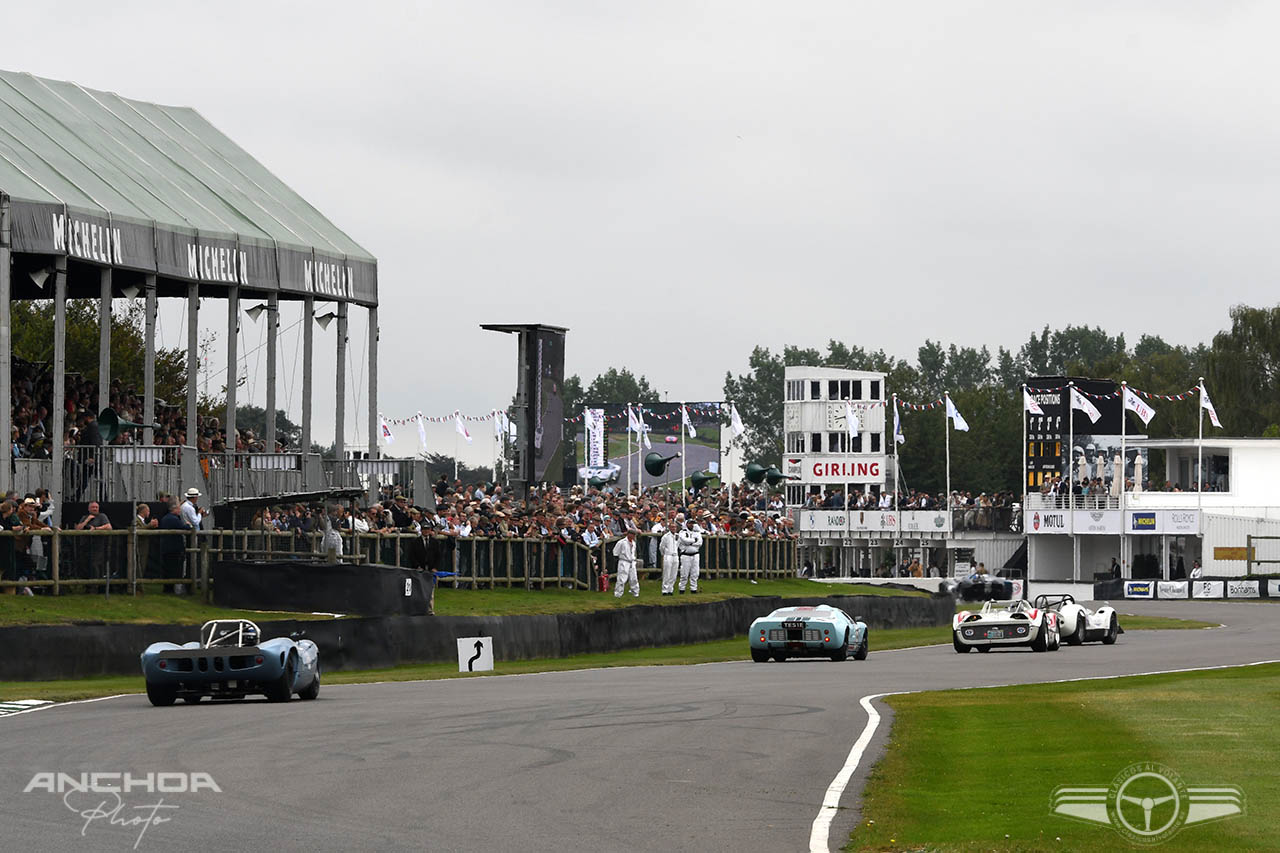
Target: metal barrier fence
[(118, 560)]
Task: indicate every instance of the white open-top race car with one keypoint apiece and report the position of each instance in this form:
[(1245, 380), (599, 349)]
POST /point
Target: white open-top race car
[(1000, 624), (1078, 624)]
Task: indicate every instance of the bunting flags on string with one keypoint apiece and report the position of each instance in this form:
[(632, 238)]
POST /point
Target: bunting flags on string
[(1081, 402), (1207, 405), (1029, 403), (1134, 403), (957, 421)]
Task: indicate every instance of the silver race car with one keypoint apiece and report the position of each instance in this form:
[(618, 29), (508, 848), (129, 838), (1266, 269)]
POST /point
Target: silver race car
[(1078, 624), (1000, 624)]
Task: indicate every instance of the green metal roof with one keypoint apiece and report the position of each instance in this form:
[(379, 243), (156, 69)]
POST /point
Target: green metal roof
[(112, 181)]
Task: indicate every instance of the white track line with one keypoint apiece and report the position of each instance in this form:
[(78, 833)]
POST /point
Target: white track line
[(819, 834)]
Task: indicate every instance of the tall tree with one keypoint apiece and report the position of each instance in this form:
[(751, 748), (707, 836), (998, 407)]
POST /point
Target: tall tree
[(32, 329)]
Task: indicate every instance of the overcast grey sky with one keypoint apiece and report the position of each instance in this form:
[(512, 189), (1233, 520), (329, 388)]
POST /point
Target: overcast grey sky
[(678, 182)]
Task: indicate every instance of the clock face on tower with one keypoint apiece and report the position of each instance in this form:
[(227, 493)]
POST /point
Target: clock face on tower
[(836, 417), (793, 417)]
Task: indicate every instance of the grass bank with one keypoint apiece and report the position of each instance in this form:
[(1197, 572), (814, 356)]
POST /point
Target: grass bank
[(970, 770)]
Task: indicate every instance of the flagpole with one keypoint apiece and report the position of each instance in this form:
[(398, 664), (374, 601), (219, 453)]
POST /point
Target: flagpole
[(1124, 428), (629, 416), (1200, 452), (1024, 452), (683, 431), (455, 446), (1071, 492), (639, 450), (946, 408), (897, 467)]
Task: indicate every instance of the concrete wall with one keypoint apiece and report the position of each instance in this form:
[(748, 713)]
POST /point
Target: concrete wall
[(81, 651)]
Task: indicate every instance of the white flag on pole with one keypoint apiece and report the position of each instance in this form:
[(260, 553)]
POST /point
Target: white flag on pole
[(384, 431), (1135, 404), (1029, 403), (735, 422), (1207, 405), (422, 432), (461, 427), (633, 423), (1081, 402), (898, 437), (957, 421), (851, 421), (688, 424), (498, 429), (642, 428)]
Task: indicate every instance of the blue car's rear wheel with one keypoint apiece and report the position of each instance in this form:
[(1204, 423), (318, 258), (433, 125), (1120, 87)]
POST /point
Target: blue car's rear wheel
[(760, 655), (864, 647), (312, 690), (842, 652), (161, 695)]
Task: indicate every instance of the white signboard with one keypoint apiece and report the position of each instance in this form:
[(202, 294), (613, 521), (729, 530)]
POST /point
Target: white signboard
[(824, 519), (962, 569), (873, 522), (1097, 521), (1206, 589), (1139, 589), (1048, 521), (1180, 521), (1171, 589), (835, 469), (925, 521), (1242, 589), (475, 654), (594, 419), (1273, 588)]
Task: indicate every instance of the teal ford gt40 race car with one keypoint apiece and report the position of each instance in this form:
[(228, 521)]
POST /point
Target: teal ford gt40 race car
[(231, 661), (808, 632)]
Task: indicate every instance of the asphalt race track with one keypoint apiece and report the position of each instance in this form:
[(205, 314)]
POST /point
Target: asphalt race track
[(732, 756)]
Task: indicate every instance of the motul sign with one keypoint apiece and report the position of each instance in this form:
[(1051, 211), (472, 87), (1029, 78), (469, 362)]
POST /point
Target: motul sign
[(857, 468)]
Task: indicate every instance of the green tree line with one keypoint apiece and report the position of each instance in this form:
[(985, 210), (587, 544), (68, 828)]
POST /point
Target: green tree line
[(1241, 368)]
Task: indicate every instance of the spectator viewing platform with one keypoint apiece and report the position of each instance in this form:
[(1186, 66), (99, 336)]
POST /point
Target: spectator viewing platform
[(103, 198)]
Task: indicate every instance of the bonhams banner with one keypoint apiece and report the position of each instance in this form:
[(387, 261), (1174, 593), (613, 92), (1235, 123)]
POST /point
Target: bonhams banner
[(1242, 589)]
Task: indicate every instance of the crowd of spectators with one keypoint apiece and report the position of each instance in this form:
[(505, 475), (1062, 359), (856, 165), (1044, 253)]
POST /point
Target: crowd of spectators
[(33, 396), (587, 515)]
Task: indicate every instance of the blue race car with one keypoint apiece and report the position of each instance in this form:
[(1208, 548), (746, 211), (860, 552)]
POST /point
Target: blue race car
[(231, 662), (821, 631)]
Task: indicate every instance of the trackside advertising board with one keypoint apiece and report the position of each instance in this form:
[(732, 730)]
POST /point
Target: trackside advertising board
[(1242, 589), (1172, 589), (1139, 589), (1207, 589)]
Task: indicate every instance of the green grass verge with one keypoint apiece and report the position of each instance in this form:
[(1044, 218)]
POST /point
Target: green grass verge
[(719, 650), (161, 609), (970, 770), (500, 600), (155, 607)]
